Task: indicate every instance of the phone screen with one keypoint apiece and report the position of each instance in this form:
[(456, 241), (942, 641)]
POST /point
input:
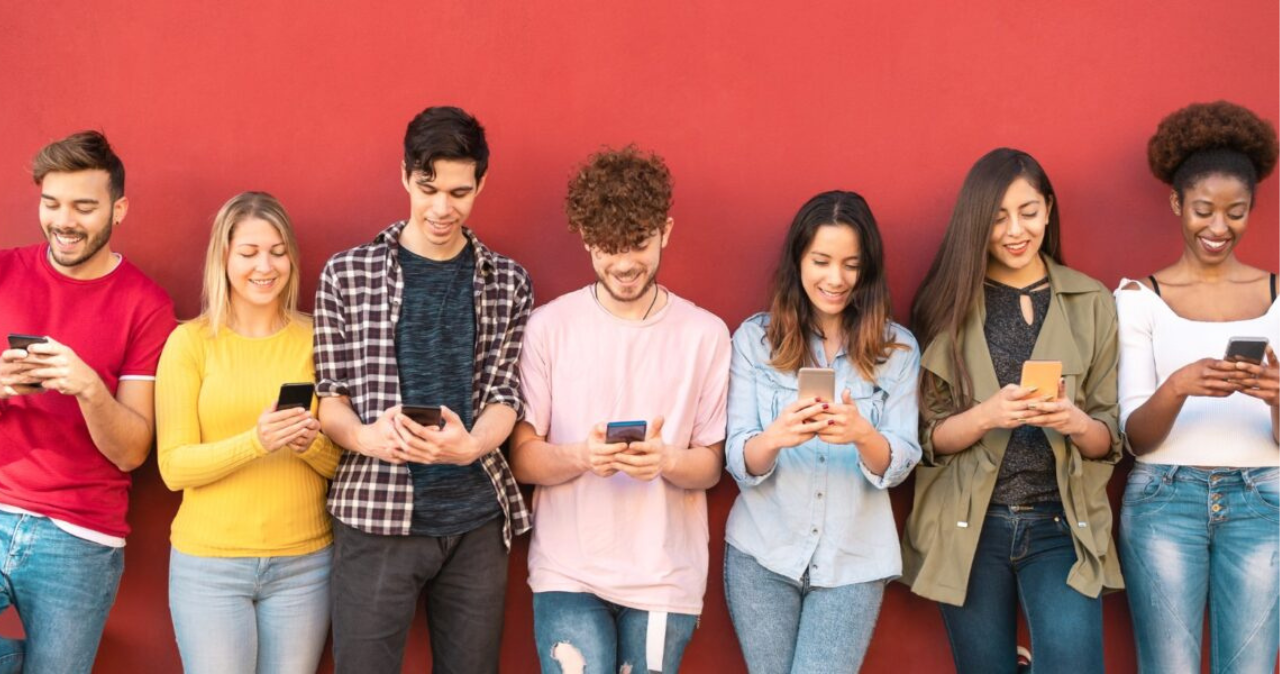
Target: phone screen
[(817, 382), (1246, 349), (295, 395), (423, 415), (625, 431), (17, 341)]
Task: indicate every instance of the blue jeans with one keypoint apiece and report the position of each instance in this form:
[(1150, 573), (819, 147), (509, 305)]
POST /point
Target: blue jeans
[(1024, 555), (788, 626), (62, 586), (1190, 536), (576, 632), (250, 614)]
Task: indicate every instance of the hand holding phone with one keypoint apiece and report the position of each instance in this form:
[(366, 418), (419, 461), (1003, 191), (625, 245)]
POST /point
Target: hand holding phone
[(292, 427), (644, 459)]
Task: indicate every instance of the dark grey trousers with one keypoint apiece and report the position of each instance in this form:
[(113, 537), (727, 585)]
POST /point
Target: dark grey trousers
[(376, 581)]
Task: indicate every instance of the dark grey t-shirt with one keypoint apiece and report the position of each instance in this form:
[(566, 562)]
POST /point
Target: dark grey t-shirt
[(1027, 472), (435, 353)]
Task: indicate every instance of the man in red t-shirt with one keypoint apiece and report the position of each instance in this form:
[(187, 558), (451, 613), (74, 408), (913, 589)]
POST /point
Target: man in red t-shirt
[(76, 412)]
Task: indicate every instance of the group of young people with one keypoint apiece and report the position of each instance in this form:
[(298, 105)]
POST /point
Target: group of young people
[(428, 357)]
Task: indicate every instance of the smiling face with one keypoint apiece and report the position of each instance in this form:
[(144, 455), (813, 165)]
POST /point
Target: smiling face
[(829, 270), (1017, 234), (77, 215), (258, 265), (627, 276), (1215, 214), (438, 208)]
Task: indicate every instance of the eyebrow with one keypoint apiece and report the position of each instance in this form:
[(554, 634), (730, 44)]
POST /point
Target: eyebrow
[(431, 183), (50, 197), (1242, 202)]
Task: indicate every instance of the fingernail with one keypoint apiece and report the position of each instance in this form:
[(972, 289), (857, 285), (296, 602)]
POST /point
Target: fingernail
[(825, 406), (831, 422)]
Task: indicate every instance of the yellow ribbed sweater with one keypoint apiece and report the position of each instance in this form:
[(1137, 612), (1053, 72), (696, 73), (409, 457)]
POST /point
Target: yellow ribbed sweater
[(238, 500)]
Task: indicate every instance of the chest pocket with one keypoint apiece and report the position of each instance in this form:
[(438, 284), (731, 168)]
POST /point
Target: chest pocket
[(870, 399)]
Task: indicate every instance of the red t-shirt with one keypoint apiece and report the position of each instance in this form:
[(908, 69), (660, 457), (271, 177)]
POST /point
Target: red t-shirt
[(117, 324)]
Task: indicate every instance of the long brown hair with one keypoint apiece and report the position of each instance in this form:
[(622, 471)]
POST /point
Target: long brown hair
[(865, 319), (953, 286)]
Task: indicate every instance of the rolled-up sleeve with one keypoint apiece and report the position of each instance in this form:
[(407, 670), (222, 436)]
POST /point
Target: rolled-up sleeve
[(506, 352), (1100, 394), (743, 408), (330, 334), (899, 423)]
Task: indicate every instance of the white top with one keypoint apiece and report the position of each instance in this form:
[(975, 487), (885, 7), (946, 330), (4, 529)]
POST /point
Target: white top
[(1154, 343)]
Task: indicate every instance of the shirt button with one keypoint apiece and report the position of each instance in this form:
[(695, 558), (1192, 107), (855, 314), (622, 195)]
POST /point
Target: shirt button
[(815, 530), (819, 494), (1216, 507), (822, 459)]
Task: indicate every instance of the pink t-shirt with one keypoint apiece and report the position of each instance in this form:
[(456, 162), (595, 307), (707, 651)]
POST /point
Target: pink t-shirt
[(637, 544), (117, 324)]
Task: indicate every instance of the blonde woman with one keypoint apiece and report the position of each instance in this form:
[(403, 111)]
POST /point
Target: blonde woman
[(249, 569)]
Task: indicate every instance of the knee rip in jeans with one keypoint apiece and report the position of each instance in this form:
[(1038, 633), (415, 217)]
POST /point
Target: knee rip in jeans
[(572, 662), (570, 658)]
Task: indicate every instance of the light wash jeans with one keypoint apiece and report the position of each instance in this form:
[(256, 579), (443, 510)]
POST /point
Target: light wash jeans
[(579, 633), (1023, 558), (1190, 536), (785, 626), (250, 614), (62, 586)]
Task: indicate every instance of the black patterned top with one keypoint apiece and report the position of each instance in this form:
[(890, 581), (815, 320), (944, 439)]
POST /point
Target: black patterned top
[(1027, 473)]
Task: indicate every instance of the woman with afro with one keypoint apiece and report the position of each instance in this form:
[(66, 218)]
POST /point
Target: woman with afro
[(1200, 522)]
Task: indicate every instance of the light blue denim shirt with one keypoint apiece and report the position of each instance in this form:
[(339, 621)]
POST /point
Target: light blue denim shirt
[(820, 508)]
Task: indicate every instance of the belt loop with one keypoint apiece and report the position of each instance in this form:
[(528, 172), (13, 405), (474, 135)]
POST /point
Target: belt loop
[(1173, 470)]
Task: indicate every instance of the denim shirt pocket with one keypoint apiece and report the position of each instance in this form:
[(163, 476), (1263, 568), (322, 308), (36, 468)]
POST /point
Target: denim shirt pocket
[(774, 391), (870, 399)]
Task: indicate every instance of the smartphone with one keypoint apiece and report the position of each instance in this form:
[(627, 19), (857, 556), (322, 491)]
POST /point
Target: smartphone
[(17, 341), (295, 395), (423, 415), (625, 431), (1246, 349), (1043, 376), (817, 382)]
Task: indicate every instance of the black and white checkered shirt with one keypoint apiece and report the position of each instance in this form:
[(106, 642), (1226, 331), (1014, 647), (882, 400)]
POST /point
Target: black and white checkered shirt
[(357, 306)]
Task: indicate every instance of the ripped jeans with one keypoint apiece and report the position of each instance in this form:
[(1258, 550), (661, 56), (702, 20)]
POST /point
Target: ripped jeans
[(580, 633), (1191, 537)]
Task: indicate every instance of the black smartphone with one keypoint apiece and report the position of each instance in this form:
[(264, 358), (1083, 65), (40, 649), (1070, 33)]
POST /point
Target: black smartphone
[(625, 431), (295, 395), (1246, 349), (17, 341), (424, 415)]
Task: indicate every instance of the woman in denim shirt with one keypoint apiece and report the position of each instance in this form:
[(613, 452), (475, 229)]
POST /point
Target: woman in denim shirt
[(811, 538)]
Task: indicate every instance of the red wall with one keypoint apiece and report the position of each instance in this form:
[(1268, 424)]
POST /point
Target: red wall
[(756, 106)]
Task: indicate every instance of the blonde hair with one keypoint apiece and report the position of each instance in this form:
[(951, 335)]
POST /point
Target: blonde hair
[(215, 310)]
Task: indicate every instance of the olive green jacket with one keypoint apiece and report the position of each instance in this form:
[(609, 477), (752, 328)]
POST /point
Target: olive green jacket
[(952, 491)]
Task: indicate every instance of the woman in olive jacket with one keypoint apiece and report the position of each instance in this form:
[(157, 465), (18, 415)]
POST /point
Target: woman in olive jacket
[(1010, 500)]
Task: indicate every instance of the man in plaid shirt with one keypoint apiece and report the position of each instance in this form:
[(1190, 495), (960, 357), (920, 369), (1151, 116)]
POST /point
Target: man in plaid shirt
[(424, 315)]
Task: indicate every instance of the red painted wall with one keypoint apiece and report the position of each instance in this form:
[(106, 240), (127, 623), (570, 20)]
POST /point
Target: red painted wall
[(756, 106)]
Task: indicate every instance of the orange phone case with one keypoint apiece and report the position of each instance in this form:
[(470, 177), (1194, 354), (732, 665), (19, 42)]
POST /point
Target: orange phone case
[(1044, 376)]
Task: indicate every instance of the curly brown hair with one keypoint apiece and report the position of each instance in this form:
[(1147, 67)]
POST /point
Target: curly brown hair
[(619, 198), (1208, 138)]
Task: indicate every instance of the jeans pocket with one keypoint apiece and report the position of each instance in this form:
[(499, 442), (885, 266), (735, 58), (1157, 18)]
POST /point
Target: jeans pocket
[(1144, 484), (1263, 496)]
